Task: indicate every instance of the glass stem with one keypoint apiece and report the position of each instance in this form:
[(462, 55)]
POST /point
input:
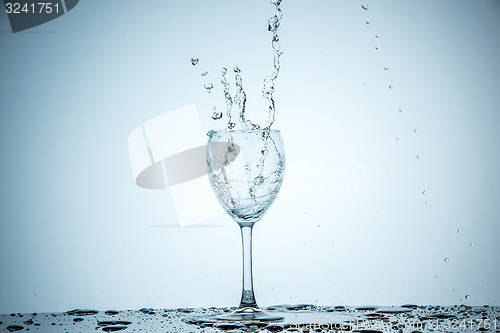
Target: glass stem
[(247, 297)]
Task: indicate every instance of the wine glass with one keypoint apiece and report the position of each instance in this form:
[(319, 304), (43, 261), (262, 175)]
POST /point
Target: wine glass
[(246, 169)]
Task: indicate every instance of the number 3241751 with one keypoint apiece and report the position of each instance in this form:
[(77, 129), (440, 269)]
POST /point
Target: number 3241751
[(33, 8)]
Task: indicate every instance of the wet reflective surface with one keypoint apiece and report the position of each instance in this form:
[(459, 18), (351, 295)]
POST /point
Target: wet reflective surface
[(297, 318)]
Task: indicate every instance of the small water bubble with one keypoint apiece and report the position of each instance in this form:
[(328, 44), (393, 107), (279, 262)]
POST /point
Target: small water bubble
[(231, 125), (376, 47), (471, 244), (424, 192), (259, 179), (397, 138), (194, 61), (386, 68), (426, 202), (458, 231), (446, 260), (467, 296), (415, 130), (364, 6), (204, 73), (377, 36), (418, 157), (236, 69), (209, 87), (400, 109), (367, 21), (390, 86)]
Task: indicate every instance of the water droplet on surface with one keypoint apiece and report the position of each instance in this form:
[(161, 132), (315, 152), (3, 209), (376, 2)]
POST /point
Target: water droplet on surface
[(446, 260), (426, 202), (367, 22), (397, 139), (418, 157), (471, 244), (111, 312), (386, 68), (400, 109), (376, 47), (467, 296), (390, 86), (458, 231), (377, 36), (194, 61), (204, 73), (80, 312), (415, 130), (424, 192), (364, 6), (209, 87), (14, 328)]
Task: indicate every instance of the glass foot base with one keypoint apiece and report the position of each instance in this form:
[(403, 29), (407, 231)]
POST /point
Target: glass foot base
[(237, 319), (249, 314)]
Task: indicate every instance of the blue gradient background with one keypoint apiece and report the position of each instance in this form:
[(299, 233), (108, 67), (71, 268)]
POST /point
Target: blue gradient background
[(76, 232)]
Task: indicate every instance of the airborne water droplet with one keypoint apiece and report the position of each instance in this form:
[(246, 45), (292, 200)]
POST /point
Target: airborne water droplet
[(377, 36), (467, 296), (424, 192), (209, 87), (390, 86), (400, 109), (471, 244), (418, 157), (194, 61), (415, 130), (217, 115), (458, 231), (376, 47), (446, 259), (386, 68), (397, 139), (367, 22), (364, 6)]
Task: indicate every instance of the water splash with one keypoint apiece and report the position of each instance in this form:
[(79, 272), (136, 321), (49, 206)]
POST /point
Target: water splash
[(267, 92), (236, 118)]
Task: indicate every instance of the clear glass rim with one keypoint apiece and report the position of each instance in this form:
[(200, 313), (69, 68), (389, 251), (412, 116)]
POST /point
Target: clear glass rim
[(261, 130)]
